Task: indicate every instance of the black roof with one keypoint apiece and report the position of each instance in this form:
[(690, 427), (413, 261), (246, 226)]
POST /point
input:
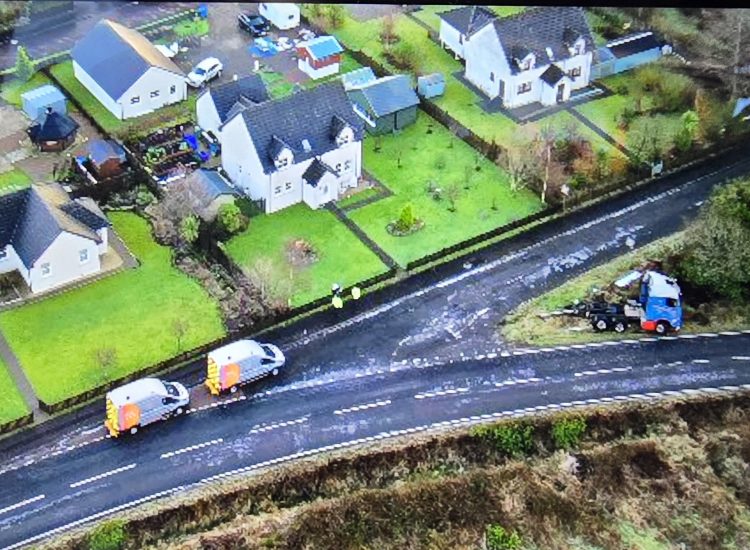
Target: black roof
[(316, 171), (30, 220), (535, 30), (552, 75), (468, 18), (308, 115), (388, 94), (637, 45), (225, 96), (52, 126)]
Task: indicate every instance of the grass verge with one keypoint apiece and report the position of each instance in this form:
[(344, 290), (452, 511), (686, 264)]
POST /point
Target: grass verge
[(132, 313), (341, 256), (525, 326), (12, 405), (12, 89), (14, 180)]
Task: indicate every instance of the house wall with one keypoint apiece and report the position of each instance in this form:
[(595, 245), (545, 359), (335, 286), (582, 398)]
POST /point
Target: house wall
[(11, 261), (63, 258), (104, 236), (283, 16), (406, 117), (206, 113), (484, 56), (90, 84), (326, 191), (452, 39), (240, 160), (158, 80)]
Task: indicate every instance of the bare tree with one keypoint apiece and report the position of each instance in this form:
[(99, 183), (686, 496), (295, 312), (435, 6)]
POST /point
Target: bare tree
[(546, 140), (106, 358), (452, 193), (273, 282), (180, 328)]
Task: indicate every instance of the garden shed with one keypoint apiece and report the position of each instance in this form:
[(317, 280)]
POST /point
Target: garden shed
[(431, 85), (358, 78), (627, 53), (36, 101), (319, 57), (107, 157), (53, 131), (386, 104)]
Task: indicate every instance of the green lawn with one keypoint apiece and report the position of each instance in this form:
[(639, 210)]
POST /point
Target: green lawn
[(166, 116), (12, 405), (421, 156), (13, 180), (429, 13), (12, 90), (563, 119), (276, 84), (192, 27), (133, 313), (342, 258), (358, 197)]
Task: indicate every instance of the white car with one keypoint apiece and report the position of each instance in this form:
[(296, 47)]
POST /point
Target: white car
[(206, 70)]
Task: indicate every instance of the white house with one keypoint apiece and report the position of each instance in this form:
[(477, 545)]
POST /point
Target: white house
[(540, 55), (303, 148), (215, 105), (125, 72), (319, 57), (49, 239), (458, 23), (283, 16)]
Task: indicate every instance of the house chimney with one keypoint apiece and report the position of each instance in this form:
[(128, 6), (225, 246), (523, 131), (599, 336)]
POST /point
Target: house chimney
[(234, 77)]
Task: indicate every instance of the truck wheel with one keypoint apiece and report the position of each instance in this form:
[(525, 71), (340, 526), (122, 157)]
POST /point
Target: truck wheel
[(274, 372), (134, 430), (233, 389), (600, 325), (178, 411), (620, 326), (662, 327)]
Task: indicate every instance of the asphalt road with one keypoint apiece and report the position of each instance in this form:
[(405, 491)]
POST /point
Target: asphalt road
[(421, 354)]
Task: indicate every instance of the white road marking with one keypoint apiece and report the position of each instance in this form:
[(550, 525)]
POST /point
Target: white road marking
[(363, 407), (192, 448), (441, 393), (701, 361), (741, 357), (259, 429), (102, 476), (19, 504)]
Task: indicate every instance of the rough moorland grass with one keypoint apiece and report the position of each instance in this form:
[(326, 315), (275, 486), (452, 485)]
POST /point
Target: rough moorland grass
[(13, 180), (525, 326), (166, 116), (341, 256), (12, 89), (56, 339), (422, 155), (12, 405)]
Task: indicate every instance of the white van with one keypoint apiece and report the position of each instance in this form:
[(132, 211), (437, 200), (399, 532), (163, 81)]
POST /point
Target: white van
[(142, 402), (240, 362)]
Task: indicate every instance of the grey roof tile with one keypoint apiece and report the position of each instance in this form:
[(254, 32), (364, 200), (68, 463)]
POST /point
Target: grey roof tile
[(552, 75), (52, 127), (306, 115), (390, 94), (468, 19), (226, 96), (316, 171)]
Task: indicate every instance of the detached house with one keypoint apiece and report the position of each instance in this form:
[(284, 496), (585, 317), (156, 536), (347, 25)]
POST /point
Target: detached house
[(125, 72), (49, 239), (457, 24), (303, 148), (218, 104), (540, 55)]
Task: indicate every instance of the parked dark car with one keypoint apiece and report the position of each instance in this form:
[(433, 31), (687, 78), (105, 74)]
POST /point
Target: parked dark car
[(255, 24)]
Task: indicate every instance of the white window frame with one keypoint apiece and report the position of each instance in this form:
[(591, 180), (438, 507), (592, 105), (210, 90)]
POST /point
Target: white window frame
[(524, 87), (45, 269), (135, 99), (83, 256), (173, 89), (277, 190), (288, 186), (347, 165), (154, 94), (575, 71)]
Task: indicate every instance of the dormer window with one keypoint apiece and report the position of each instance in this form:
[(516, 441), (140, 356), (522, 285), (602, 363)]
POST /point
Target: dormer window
[(283, 159), (345, 135), (527, 63), (578, 47)]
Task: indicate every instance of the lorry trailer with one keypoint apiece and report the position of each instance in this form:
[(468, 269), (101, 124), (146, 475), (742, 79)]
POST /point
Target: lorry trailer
[(241, 362), (142, 402)]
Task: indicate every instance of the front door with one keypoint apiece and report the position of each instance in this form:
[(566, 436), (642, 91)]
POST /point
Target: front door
[(560, 92)]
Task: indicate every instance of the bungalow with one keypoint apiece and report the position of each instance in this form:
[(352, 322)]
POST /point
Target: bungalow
[(306, 147), (457, 24), (386, 104), (53, 131), (540, 55), (215, 105), (319, 57), (125, 72), (49, 239)]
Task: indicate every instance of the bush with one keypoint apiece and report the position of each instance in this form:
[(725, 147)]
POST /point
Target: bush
[(675, 92), (568, 431), (405, 56), (513, 439), (109, 535), (24, 65), (500, 539), (334, 15), (648, 77), (144, 197), (407, 219), (230, 219)]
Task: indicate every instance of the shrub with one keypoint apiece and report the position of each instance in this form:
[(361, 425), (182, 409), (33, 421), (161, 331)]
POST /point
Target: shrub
[(189, 228), (500, 539), (109, 535), (513, 439), (24, 65), (568, 431), (144, 197), (407, 219), (675, 92), (648, 77), (334, 15), (230, 218), (405, 56)]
